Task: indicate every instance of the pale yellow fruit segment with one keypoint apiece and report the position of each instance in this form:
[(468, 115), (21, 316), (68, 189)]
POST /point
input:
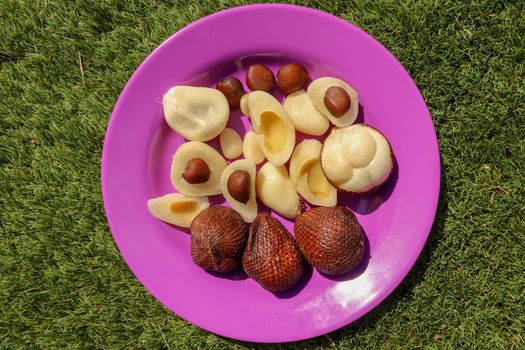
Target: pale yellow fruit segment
[(303, 158), (231, 143), (306, 118), (245, 107), (251, 149), (307, 175), (177, 209), (274, 129), (196, 113), (276, 191), (315, 188)]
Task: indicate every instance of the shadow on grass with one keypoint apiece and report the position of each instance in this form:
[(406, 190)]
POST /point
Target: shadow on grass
[(403, 291)]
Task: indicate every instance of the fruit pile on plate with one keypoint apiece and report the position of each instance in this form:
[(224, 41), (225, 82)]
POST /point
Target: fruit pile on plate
[(353, 158)]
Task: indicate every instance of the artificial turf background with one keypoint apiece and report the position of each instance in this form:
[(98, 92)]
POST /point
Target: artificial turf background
[(63, 283)]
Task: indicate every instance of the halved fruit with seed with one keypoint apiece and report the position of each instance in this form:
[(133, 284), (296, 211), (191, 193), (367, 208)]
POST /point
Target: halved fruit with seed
[(335, 99), (238, 187), (196, 169)]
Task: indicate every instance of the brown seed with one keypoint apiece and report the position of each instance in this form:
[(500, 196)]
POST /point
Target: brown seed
[(272, 257), (232, 89), (260, 77), (330, 239), (337, 101), (292, 77), (239, 185), (218, 238), (197, 171)]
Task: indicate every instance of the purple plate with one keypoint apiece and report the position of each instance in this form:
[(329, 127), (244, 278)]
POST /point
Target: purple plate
[(139, 145)]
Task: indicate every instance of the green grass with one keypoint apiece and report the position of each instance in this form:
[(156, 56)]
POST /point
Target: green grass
[(63, 283)]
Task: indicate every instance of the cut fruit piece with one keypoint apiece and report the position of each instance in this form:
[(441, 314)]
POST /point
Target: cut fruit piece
[(307, 177), (179, 166), (177, 209), (196, 113), (317, 91), (303, 158), (231, 143), (251, 149), (274, 129), (243, 104), (315, 188), (306, 118), (357, 158), (248, 210), (276, 191)]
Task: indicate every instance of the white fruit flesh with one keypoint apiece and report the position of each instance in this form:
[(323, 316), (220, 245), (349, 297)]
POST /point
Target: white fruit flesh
[(306, 118), (245, 108), (274, 129), (276, 191), (357, 158), (231, 143), (303, 158), (196, 113), (247, 210), (317, 90), (251, 149), (214, 160), (177, 209), (307, 176)]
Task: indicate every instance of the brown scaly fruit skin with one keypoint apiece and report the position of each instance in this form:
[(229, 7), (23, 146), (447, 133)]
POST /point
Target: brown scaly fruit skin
[(218, 238), (272, 257), (377, 186), (330, 239)]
